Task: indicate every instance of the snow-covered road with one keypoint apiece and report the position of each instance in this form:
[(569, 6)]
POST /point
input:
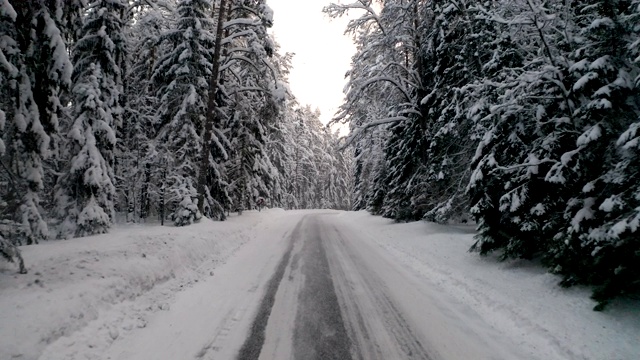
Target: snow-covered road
[(298, 285), (343, 297), (343, 308)]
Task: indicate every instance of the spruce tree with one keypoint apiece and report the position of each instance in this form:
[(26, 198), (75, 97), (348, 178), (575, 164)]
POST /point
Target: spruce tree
[(37, 70), (251, 82), (181, 77), (598, 235), (86, 190), (139, 168), (525, 128), (249, 167)]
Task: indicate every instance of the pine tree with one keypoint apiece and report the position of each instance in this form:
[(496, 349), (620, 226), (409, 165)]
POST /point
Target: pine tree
[(10, 56), (139, 167), (517, 209), (86, 190), (545, 91), (8, 70), (250, 81), (387, 73), (37, 70), (249, 171), (607, 106), (402, 165), (182, 76), (548, 170), (280, 143)]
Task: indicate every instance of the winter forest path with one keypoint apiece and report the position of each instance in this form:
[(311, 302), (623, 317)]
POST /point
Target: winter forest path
[(331, 306), (319, 284), (340, 298), (312, 286)]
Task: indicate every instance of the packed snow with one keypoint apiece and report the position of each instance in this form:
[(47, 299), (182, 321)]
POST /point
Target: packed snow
[(517, 298), (81, 295), (163, 292)]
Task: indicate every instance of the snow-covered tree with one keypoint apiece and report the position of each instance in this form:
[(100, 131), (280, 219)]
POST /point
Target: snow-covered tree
[(250, 91), (37, 70), (607, 107), (11, 253), (544, 91), (182, 77), (119, 126), (139, 164), (86, 190), (279, 138), (509, 194), (386, 72), (249, 167), (548, 161)]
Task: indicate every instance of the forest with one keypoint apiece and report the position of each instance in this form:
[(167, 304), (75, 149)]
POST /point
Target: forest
[(520, 116), (523, 116), (104, 117)]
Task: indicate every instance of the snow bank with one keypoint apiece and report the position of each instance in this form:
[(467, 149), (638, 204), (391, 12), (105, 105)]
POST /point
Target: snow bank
[(71, 283), (518, 298)]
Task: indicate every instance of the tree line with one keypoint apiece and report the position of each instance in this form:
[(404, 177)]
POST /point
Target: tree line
[(524, 114), (128, 110)]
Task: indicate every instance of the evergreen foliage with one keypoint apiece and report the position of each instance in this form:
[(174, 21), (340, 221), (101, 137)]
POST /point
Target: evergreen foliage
[(103, 112), (86, 191), (37, 70), (523, 114), (181, 78)]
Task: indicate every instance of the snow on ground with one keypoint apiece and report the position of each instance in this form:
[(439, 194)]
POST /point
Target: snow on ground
[(516, 298), (82, 294), (152, 292)]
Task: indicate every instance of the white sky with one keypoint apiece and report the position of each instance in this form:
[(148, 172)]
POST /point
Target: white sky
[(323, 53)]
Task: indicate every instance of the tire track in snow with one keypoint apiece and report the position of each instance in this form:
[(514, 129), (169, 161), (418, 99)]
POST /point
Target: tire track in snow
[(341, 310), (374, 322), (255, 340), (319, 331)]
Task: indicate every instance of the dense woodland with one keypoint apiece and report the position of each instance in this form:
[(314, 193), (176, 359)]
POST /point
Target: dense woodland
[(525, 112), (108, 112), (523, 116)]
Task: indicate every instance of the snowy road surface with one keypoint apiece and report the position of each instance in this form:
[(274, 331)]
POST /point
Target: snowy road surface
[(339, 298), (298, 285), (331, 304)]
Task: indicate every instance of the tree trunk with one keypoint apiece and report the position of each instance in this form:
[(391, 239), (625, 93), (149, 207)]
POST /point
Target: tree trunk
[(211, 109)]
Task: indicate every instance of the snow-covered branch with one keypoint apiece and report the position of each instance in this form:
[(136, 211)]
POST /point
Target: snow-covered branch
[(339, 10), (241, 21), (388, 79), (358, 131), (233, 36)]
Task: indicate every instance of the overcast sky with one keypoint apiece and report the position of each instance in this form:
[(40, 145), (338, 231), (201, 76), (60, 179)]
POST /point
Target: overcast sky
[(323, 53)]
